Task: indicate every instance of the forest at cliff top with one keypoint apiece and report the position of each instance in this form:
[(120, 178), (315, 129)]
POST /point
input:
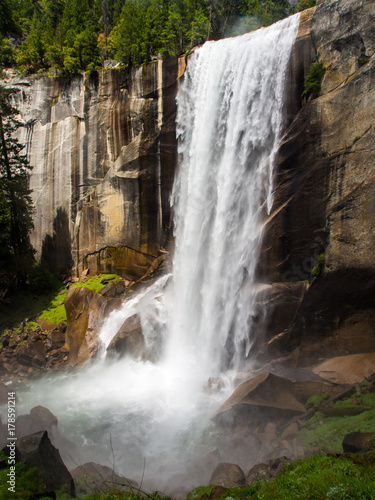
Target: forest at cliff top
[(64, 37)]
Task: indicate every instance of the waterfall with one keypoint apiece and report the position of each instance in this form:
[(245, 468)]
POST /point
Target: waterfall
[(229, 123), (230, 120)]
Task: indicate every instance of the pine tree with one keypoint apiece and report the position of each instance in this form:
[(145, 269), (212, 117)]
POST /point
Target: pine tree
[(16, 207)]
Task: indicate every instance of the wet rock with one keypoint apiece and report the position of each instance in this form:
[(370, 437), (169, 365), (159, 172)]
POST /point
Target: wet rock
[(28, 424), (47, 417), (228, 475), (114, 289), (129, 339), (85, 310), (356, 442), (347, 369), (36, 450), (265, 390), (32, 354), (91, 478)]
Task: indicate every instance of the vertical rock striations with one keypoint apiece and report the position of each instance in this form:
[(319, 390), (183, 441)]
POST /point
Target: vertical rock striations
[(103, 150)]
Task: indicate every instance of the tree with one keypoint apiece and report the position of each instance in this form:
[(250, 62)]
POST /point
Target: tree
[(15, 202)]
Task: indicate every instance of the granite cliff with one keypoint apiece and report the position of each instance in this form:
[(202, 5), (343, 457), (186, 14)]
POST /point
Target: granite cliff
[(103, 151)]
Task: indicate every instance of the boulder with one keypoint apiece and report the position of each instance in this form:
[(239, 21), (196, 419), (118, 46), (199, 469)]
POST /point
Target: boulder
[(271, 391), (115, 288), (264, 472), (28, 424), (36, 450), (33, 354), (47, 417), (356, 442), (56, 339), (228, 475), (129, 339), (347, 369), (92, 478), (85, 311)]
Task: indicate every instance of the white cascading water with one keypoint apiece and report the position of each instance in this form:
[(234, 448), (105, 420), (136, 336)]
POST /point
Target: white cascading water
[(130, 412)]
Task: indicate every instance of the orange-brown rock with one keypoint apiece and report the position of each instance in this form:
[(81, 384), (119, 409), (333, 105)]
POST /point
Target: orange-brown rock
[(85, 311)]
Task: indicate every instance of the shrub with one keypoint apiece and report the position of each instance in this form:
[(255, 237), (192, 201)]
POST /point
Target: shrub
[(313, 79)]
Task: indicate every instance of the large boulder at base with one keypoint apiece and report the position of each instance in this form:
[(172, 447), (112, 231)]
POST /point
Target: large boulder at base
[(228, 475), (36, 450), (85, 311), (271, 391), (129, 339), (347, 369), (92, 478), (356, 442)]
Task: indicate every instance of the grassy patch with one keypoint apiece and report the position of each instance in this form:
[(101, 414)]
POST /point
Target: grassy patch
[(55, 311), (47, 305), (315, 478)]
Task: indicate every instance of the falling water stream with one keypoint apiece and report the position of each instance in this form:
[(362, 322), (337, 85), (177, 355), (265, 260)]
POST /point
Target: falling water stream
[(149, 417)]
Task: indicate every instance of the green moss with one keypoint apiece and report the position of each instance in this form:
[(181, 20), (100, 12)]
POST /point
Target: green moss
[(327, 433), (313, 79), (55, 312), (316, 400), (319, 266)]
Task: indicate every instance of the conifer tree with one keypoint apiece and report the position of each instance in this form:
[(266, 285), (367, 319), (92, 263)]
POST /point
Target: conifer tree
[(16, 207)]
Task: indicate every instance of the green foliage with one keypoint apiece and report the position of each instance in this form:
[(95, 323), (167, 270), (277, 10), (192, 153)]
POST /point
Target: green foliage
[(327, 433), (314, 79), (64, 37), (319, 266), (41, 279), (54, 313), (305, 4), (316, 400), (28, 483), (7, 53), (315, 478), (16, 207)]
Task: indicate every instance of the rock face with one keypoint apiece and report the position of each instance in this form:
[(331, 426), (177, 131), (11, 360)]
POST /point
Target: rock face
[(103, 151), (325, 191), (85, 311), (36, 450), (128, 340)]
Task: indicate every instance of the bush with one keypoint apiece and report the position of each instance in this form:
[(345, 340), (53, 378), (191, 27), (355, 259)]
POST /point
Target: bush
[(313, 80), (42, 280), (305, 4)]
